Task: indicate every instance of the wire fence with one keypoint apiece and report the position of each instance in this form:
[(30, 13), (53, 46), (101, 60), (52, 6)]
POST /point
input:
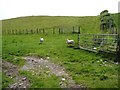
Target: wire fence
[(48, 30)]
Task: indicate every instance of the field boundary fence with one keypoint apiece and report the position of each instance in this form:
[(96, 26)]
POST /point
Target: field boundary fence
[(47, 30), (90, 42)]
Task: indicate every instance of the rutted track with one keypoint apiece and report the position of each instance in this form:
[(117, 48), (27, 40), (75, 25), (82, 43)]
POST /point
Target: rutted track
[(37, 64)]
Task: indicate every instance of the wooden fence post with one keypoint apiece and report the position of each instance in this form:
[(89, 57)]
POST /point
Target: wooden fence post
[(12, 31), (23, 31), (53, 30), (19, 31), (26, 31), (37, 30), (118, 49), (73, 29), (79, 37), (8, 32), (62, 31), (59, 31), (118, 39), (31, 31), (43, 31), (15, 31)]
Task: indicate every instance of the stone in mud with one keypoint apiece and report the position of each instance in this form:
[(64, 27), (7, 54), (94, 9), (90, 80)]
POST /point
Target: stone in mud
[(63, 79), (20, 84), (24, 86), (24, 78)]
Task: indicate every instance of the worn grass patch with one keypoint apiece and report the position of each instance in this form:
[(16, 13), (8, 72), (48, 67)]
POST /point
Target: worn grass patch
[(42, 80)]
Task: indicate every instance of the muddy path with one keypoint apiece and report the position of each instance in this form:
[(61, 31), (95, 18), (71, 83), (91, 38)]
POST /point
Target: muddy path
[(37, 64), (12, 72)]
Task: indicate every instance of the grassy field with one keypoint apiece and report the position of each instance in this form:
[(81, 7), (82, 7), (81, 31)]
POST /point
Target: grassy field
[(85, 67), (90, 69)]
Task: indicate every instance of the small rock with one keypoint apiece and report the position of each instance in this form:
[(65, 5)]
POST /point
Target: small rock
[(20, 84), (94, 48), (47, 72), (101, 60), (35, 60), (23, 79), (63, 79), (48, 57), (116, 63), (24, 86), (105, 64), (33, 74), (98, 61)]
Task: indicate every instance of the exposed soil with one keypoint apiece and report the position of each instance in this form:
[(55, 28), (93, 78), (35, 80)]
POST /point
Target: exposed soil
[(38, 64), (12, 71)]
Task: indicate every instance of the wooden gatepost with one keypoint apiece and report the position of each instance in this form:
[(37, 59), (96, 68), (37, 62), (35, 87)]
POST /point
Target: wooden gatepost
[(118, 49), (79, 37), (118, 39)]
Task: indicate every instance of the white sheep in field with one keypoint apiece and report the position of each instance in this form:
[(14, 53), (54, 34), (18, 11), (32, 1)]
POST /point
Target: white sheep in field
[(71, 42), (41, 40)]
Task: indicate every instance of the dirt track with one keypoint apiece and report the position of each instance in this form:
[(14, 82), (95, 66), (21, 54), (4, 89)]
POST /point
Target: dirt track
[(35, 63)]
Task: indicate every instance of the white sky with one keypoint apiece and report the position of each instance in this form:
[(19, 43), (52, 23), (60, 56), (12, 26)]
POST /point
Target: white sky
[(18, 8)]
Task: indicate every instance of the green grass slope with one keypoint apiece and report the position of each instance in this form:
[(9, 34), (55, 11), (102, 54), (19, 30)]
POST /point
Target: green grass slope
[(88, 24)]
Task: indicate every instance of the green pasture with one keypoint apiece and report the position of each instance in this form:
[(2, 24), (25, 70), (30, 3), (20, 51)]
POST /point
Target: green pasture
[(87, 68), (87, 24), (90, 69)]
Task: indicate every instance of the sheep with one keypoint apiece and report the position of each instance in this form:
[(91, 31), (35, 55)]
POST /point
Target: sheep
[(41, 40), (70, 41)]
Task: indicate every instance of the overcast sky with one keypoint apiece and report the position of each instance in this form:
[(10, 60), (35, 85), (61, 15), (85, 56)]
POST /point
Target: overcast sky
[(18, 8)]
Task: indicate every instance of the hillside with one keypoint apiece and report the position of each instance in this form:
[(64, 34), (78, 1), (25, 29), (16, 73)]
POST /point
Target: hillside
[(32, 22), (89, 24)]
